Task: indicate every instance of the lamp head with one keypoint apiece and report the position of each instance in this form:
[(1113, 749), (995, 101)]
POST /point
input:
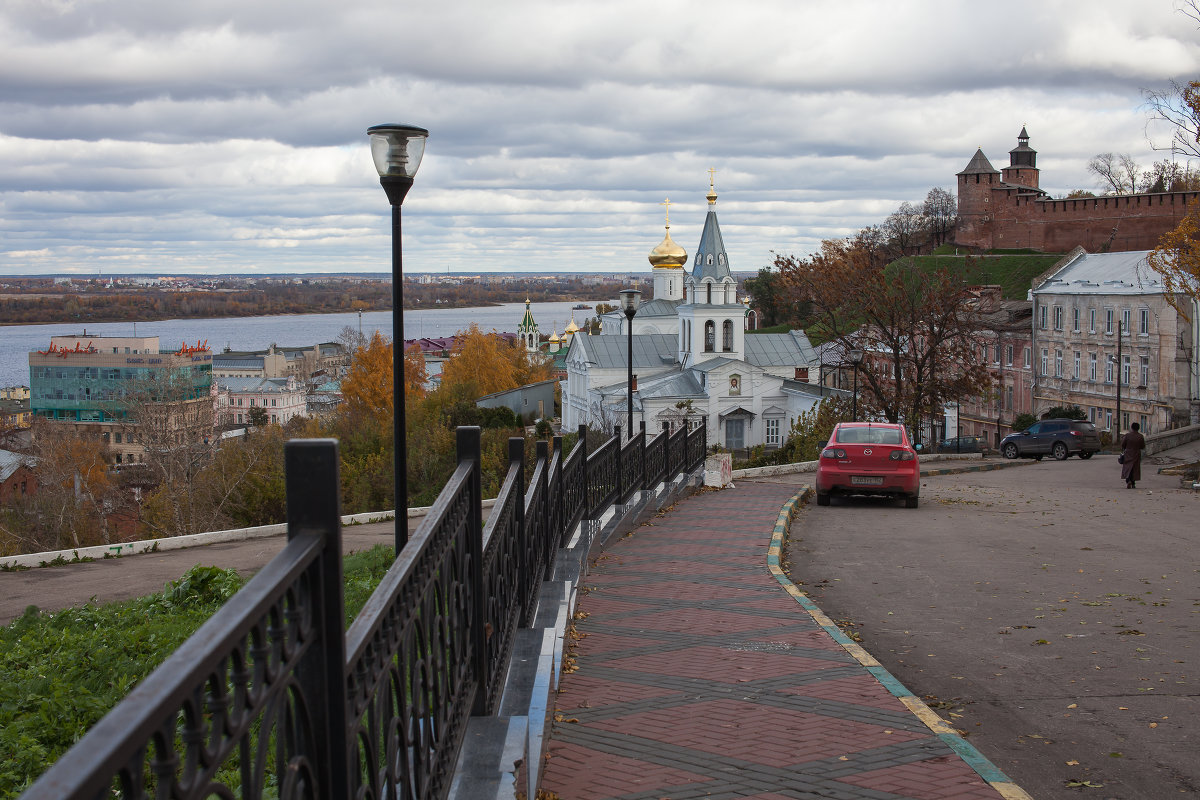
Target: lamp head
[(629, 301), (856, 355), (396, 151)]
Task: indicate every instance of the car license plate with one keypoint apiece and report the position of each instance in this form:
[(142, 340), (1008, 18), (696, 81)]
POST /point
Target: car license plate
[(866, 480)]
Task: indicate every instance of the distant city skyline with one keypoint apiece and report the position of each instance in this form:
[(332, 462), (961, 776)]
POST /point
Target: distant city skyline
[(191, 138)]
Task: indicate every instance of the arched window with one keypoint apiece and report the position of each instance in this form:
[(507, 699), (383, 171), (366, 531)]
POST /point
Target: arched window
[(709, 293), (727, 335), (710, 336)]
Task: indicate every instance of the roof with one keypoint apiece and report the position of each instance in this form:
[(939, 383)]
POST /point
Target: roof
[(650, 350), (978, 164), (711, 259), (237, 360), (1102, 273), (10, 462), (789, 349), (261, 385), (658, 307)]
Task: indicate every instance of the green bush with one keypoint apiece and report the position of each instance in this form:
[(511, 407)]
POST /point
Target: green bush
[(1065, 412), (1022, 421), (64, 670)]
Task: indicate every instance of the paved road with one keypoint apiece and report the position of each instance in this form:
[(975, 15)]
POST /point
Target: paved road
[(1049, 609), (107, 580)]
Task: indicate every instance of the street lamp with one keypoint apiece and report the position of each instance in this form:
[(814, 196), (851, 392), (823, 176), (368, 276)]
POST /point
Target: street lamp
[(1116, 362), (629, 304), (396, 151), (856, 357)]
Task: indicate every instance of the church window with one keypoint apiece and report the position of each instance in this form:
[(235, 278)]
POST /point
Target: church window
[(721, 258), (710, 336), (709, 258), (709, 293), (727, 335)]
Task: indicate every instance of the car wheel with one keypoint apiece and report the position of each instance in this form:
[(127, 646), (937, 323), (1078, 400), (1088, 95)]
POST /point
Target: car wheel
[(1060, 451), (822, 498), (1086, 456), (911, 501), (1010, 450)]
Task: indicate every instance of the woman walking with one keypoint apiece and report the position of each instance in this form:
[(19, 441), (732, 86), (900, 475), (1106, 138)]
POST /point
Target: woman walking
[(1132, 445)]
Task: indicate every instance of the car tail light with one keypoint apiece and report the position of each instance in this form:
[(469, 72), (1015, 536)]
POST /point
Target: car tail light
[(830, 452), (1073, 433), (902, 455)]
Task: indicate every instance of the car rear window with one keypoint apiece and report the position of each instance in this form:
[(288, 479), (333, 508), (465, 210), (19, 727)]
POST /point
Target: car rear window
[(868, 436), (1084, 426)]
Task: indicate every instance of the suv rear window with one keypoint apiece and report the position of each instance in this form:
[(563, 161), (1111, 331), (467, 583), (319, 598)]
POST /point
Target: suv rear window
[(1083, 426), (868, 436)]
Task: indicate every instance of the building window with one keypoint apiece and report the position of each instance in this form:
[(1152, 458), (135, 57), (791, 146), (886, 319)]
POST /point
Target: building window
[(1144, 321), (1075, 319), (1108, 370), (1045, 361), (1008, 397), (1008, 355), (1092, 368), (1028, 358), (996, 353), (727, 335), (1075, 373), (1091, 320), (1125, 321), (710, 336), (1108, 320), (772, 432), (1058, 318), (1145, 372), (1042, 317), (1144, 422), (1058, 363), (1125, 370)]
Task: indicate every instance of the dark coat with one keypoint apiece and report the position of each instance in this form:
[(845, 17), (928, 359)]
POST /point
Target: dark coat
[(1132, 445)]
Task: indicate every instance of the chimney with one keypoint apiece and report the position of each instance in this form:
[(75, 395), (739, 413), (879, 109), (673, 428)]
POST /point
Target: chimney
[(802, 374)]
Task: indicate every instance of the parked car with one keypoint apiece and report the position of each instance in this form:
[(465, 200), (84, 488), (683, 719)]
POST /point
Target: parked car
[(1061, 438), (959, 444), (875, 458)]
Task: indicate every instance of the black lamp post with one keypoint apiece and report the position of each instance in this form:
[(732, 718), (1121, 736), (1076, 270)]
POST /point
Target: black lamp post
[(856, 357), (629, 304), (397, 151), (1117, 365)]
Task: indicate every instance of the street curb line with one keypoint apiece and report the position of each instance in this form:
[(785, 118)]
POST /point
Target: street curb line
[(944, 731)]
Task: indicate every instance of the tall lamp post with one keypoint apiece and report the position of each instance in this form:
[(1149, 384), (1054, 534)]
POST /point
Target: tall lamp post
[(1116, 362), (856, 357), (629, 304), (397, 151)]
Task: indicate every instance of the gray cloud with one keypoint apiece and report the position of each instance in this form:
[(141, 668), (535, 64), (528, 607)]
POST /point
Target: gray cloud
[(225, 136)]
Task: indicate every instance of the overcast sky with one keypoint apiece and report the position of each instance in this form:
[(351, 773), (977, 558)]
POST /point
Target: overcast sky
[(229, 136)]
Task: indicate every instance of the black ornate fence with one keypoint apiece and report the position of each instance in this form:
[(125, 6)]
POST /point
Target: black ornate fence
[(272, 697)]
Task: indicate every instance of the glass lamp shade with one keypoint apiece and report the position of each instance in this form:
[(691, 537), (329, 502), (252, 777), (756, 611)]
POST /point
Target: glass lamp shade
[(856, 355), (397, 149), (629, 300)]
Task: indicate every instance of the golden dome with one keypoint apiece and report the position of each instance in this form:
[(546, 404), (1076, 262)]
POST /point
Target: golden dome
[(668, 253), (571, 326)]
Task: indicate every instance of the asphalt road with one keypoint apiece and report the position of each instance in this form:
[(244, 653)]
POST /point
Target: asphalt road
[(1046, 611)]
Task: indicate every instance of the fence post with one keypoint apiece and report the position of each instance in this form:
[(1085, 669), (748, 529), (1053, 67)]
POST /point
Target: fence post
[(620, 478), (558, 517), (314, 493), (642, 433), (543, 455), (467, 449), (583, 481)]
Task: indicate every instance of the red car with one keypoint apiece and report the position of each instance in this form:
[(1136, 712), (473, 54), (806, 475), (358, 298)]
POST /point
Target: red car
[(869, 458)]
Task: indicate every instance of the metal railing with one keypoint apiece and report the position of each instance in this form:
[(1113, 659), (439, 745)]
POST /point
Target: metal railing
[(272, 697)]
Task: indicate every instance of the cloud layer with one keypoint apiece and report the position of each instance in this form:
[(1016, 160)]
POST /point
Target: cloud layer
[(223, 136)]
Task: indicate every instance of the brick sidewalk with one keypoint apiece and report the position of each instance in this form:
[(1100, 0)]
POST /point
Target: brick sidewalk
[(698, 675)]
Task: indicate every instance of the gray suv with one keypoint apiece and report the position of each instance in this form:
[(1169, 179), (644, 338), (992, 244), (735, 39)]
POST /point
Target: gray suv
[(1060, 438)]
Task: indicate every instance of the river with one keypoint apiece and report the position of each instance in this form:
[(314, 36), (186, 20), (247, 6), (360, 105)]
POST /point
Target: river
[(290, 330)]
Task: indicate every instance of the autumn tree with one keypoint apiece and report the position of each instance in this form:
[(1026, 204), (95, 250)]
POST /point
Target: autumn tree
[(916, 323), (367, 388), (483, 361), (940, 210), (1116, 173), (769, 299), (906, 228), (1177, 261)]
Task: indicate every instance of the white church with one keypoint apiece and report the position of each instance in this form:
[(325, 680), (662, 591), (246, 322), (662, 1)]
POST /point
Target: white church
[(692, 357)]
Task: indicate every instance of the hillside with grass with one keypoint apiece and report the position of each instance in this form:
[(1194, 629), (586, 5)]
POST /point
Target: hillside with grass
[(1013, 272)]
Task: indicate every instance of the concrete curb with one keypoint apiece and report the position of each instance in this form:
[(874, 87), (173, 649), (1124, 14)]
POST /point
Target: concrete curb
[(967, 752)]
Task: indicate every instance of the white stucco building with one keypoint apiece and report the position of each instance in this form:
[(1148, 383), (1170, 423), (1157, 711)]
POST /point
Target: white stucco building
[(692, 358), (1100, 318)]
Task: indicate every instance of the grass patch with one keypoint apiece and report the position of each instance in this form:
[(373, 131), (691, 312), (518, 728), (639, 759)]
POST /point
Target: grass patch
[(1013, 272), (63, 671)]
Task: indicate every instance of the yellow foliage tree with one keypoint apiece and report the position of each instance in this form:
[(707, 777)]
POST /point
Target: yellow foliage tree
[(368, 384), (482, 360), (1177, 260), (414, 372)]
